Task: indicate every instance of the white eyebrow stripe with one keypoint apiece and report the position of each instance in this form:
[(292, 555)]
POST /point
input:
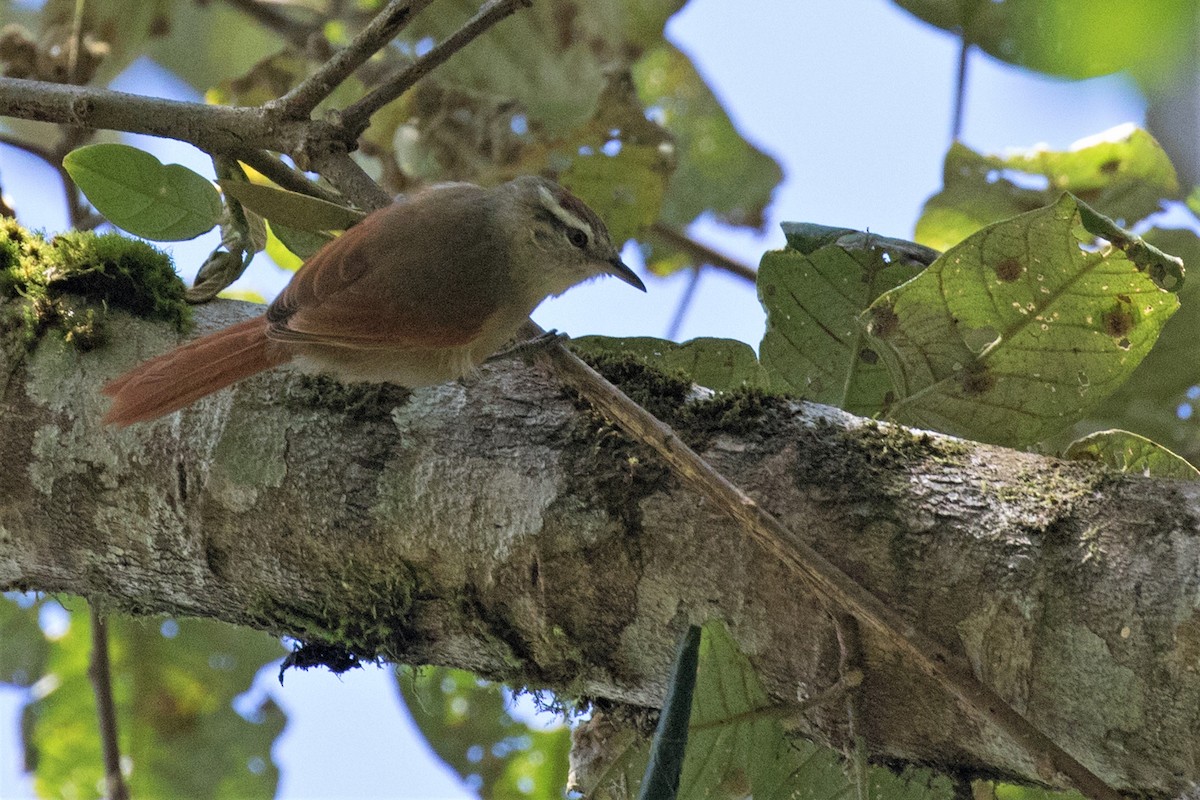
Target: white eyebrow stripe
[(564, 216)]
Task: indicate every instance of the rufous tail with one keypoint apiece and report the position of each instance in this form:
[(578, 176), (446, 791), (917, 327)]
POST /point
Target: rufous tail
[(182, 376)]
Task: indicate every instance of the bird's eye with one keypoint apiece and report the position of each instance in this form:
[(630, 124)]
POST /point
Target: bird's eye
[(577, 238)]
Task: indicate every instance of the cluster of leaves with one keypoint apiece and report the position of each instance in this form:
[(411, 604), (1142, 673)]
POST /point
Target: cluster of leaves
[(1037, 312), (176, 683), (595, 98)]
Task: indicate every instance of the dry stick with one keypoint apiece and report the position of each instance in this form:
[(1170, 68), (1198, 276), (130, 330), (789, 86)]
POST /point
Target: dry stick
[(944, 667), (702, 252), (101, 675), (357, 115), (305, 96)]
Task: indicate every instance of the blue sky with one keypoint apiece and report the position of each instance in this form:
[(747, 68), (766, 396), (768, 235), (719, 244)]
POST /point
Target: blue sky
[(852, 97)]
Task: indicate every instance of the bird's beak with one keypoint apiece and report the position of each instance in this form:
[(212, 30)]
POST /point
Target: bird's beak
[(619, 269)]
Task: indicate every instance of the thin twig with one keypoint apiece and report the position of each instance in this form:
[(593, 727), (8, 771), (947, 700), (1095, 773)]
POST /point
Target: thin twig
[(100, 672), (282, 175), (357, 115), (270, 16), (702, 252), (78, 214), (946, 668), (305, 96), (685, 302), (960, 87)]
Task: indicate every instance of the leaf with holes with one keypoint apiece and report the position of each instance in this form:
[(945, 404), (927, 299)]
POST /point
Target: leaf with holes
[(814, 291), (137, 192), (1128, 452), (1019, 330)]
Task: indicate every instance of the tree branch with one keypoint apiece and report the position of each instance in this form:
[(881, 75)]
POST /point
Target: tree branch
[(357, 115), (950, 671), (282, 175), (335, 513), (215, 129), (305, 96), (702, 252)]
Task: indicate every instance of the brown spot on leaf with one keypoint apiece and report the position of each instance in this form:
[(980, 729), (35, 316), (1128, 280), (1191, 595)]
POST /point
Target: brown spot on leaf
[(1118, 322), (884, 322), (1009, 270), (1111, 166), (976, 380)]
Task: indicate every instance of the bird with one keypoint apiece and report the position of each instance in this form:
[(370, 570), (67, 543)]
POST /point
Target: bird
[(418, 293)]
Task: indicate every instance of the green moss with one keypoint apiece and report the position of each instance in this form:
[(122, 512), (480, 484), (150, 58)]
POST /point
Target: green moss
[(69, 282), (356, 402), (368, 616)]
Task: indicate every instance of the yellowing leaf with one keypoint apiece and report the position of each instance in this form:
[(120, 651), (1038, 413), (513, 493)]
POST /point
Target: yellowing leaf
[(295, 210), (1123, 173)]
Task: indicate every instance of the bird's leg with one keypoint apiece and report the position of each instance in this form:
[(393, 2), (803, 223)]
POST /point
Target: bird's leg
[(550, 337)]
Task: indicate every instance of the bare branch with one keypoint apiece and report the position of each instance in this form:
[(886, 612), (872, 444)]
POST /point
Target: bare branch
[(357, 115), (304, 97), (702, 252), (948, 669)]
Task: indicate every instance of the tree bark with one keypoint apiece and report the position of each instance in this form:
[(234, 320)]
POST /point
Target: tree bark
[(498, 525)]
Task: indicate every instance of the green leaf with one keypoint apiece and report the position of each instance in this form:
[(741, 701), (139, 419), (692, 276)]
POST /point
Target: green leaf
[(173, 696), (1128, 452), (813, 292), (1017, 331), (135, 191), (1123, 173), (289, 247), (719, 171), (297, 211), (737, 746), (206, 44), (466, 722), (719, 364), (1070, 38)]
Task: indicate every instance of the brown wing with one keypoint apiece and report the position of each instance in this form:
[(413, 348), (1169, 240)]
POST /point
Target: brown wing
[(416, 274)]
